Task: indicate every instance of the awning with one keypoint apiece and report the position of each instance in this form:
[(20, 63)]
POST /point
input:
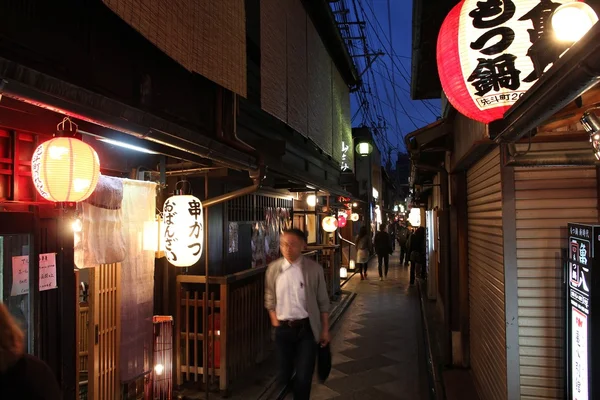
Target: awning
[(427, 147), (575, 72), (421, 139), (33, 87)]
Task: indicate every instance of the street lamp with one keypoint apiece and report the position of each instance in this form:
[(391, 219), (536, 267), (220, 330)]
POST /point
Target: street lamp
[(364, 148), (571, 21)]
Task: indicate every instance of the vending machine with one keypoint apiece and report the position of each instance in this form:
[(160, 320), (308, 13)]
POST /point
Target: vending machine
[(582, 288)]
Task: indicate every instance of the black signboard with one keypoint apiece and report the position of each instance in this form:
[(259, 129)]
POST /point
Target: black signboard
[(580, 283)]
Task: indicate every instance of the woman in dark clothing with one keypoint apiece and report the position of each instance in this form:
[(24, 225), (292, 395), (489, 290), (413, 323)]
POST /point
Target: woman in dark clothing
[(22, 376), (416, 251), (363, 244)]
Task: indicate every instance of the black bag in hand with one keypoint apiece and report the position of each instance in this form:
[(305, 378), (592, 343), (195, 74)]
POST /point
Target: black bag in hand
[(323, 362)]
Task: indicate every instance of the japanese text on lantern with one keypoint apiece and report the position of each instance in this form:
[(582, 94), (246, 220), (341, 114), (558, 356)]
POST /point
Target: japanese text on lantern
[(183, 230), (500, 58), (345, 148), (35, 171)]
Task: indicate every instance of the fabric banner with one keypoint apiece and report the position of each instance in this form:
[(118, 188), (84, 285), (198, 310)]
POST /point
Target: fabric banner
[(137, 280)]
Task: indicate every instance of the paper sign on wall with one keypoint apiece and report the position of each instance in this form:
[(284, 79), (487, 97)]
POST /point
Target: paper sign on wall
[(20, 269), (48, 271)]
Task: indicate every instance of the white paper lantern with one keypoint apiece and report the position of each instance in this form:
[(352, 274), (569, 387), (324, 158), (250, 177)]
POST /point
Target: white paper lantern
[(343, 272), (183, 230), (352, 265), (354, 217), (329, 224)]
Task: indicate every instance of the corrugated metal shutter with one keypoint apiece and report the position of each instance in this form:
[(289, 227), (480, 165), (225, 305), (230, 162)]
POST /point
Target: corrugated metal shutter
[(546, 200), (486, 278)]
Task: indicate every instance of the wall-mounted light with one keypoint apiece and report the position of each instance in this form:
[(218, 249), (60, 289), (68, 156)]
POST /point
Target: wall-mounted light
[(591, 124), (375, 194), (126, 145), (311, 200), (354, 204), (571, 21), (415, 217), (364, 148)]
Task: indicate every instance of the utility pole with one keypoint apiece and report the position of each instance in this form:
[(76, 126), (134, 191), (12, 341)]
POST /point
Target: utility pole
[(389, 7)]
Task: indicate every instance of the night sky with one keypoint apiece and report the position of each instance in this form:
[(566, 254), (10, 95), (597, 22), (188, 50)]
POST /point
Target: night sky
[(393, 115)]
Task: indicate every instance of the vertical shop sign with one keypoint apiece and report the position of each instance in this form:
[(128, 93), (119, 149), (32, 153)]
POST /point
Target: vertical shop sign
[(579, 310), (20, 270), (47, 271), (345, 148)]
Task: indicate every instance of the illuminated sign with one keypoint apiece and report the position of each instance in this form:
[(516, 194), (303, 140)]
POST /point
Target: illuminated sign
[(345, 148), (582, 242)]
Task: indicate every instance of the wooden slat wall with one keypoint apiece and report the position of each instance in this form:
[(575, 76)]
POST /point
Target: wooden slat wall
[(486, 278), (546, 200)]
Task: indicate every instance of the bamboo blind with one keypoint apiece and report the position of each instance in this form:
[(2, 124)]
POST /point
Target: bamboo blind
[(204, 36)]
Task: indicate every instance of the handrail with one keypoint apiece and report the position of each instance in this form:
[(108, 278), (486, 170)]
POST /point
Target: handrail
[(311, 253), (238, 276), (345, 240)]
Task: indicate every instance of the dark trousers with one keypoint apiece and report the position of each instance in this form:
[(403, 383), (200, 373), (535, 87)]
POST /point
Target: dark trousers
[(383, 258), (362, 267), (413, 267), (297, 350), (403, 255)]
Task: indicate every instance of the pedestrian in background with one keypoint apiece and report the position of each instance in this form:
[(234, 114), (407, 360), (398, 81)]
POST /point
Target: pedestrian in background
[(363, 246), (298, 305), (402, 237), (416, 252), (383, 248), (22, 376)]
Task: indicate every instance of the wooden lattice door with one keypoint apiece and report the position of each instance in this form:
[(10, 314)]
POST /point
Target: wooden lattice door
[(105, 332)]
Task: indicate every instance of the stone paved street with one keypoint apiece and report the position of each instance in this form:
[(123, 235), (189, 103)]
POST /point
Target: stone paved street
[(378, 349)]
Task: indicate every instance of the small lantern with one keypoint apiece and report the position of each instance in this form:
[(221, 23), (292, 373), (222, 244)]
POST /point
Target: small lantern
[(311, 200), (352, 265), (343, 272), (342, 221), (364, 148), (183, 230), (65, 169), (354, 217), (329, 224)]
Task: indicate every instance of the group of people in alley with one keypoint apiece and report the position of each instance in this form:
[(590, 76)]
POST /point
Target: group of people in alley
[(298, 304)]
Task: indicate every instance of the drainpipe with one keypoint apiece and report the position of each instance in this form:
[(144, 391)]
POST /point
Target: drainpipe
[(445, 237)]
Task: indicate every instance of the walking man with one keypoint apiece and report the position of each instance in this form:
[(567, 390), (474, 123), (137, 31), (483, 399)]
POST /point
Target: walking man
[(402, 239), (383, 248), (298, 305)]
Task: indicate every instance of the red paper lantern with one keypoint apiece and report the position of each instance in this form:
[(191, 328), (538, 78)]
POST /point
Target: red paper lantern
[(488, 57), (65, 169), (342, 221)]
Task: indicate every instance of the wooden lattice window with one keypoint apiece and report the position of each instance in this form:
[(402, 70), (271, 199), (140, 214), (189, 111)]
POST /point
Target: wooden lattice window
[(16, 149)]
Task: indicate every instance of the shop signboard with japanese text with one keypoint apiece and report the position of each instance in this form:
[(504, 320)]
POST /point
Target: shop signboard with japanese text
[(581, 283)]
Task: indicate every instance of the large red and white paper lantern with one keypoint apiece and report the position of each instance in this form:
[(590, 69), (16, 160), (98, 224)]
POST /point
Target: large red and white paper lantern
[(489, 53)]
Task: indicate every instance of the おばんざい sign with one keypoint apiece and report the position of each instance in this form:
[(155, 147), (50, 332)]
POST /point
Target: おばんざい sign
[(490, 52)]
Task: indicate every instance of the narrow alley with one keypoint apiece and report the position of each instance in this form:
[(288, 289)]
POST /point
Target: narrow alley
[(378, 348)]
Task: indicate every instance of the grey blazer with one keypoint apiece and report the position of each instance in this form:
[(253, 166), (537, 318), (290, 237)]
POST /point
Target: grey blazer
[(317, 300)]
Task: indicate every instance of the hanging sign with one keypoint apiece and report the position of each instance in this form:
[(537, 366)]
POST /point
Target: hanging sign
[(20, 270), (489, 53), (183, 231), (47, 271), (584, 242)]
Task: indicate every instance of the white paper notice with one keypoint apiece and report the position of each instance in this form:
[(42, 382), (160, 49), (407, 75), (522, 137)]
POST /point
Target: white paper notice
[(20, 269), (579, 348), (48, 271)]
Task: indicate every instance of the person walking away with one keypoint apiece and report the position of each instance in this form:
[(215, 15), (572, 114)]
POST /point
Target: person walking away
[(383, 248), (363, 244), (298, 305), (416, 251), (22, 376), (392, 232), (402, 237)]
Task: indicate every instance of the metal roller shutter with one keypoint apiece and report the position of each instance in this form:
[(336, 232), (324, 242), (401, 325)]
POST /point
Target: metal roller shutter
[(546, 200), (486, 277)]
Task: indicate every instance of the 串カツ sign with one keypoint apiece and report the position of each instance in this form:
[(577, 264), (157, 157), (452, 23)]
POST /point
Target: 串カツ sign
[(489, 53)]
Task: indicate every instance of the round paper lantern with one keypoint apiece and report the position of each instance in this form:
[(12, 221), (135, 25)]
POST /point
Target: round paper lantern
[(342, 221), (354, 217), (489, 55), (329, 224), (183, 230), (65, 169)]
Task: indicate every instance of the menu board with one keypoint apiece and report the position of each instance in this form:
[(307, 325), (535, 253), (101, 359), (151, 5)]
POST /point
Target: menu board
[(579, 309)]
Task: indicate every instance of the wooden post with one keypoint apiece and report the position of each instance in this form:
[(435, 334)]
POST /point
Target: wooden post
[(223, 337)]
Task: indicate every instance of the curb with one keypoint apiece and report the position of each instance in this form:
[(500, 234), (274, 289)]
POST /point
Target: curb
[(436, 389), (334, 317)]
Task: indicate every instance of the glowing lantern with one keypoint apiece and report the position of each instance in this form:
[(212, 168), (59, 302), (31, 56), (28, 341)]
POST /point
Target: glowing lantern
[(329, 224), (364, 149), (352, 265), (65, 169), (311, 200), (354, 217), (183, 230), (343, 272), (342, 221), (415, 217), (489, 57)]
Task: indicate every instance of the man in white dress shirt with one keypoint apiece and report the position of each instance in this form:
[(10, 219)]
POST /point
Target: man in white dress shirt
[(298, 304)]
